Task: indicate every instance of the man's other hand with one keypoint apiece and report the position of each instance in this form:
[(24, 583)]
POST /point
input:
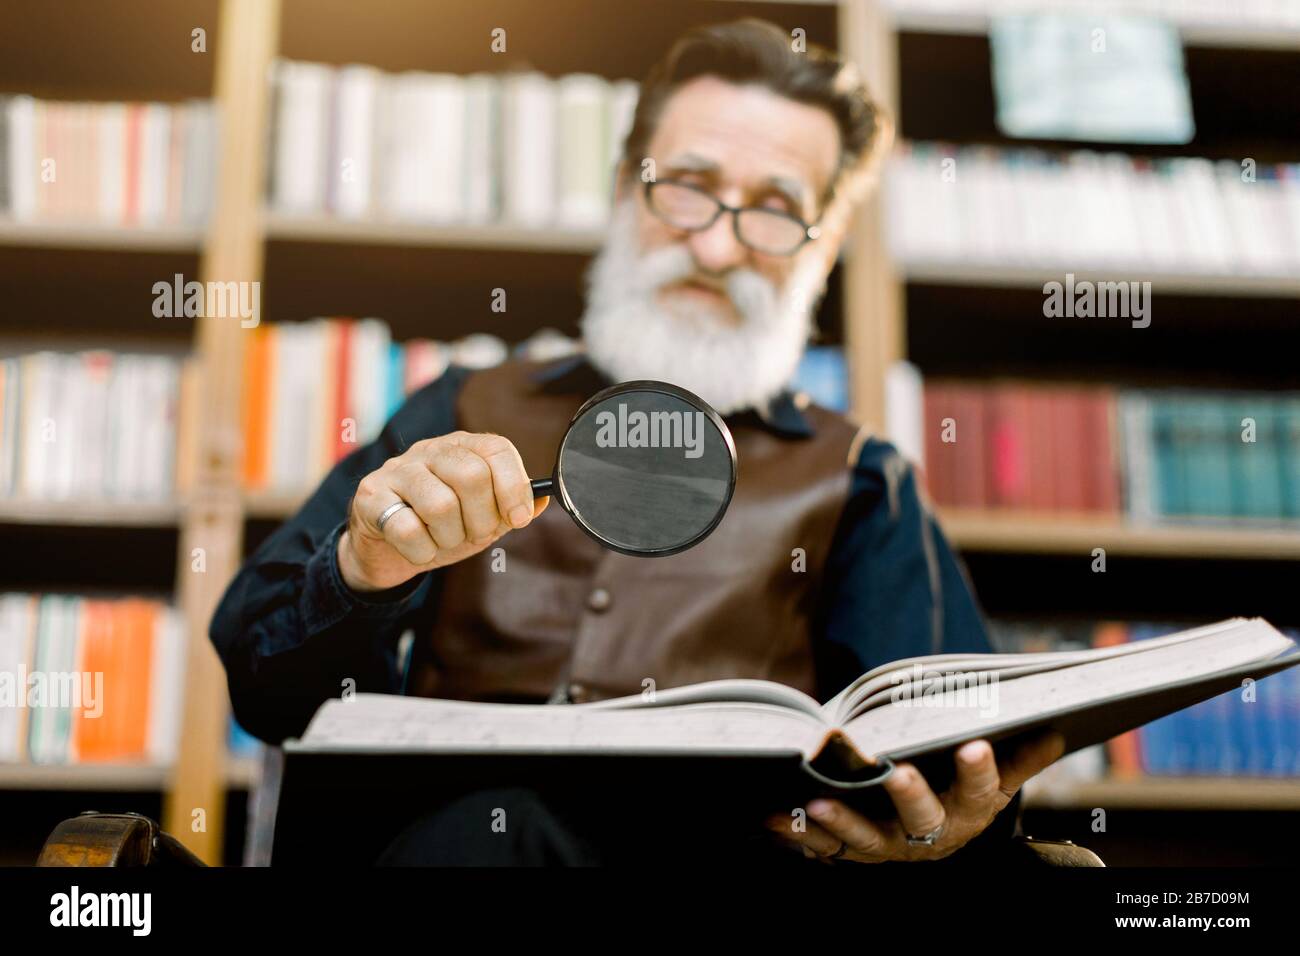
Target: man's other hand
[(464, 491), (981, 790)]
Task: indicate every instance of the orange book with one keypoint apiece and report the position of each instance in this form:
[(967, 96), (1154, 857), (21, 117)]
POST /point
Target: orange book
[(129, 696), (257, 408), (91, 726), (1124, 751)]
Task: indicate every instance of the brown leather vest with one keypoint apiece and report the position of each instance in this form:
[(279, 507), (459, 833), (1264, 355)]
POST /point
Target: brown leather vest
[(560, 609)]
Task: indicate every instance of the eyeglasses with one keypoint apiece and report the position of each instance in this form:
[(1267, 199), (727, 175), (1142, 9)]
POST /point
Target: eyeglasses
[(692, 209)]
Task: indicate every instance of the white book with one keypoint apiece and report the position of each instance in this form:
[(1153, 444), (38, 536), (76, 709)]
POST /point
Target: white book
[(11, 426), (111, 122), (368, 377), (17, 635), (155, 138), (482, 170), (583, 172), (354, 140), (68, 386), (1134, 411), (56, 654), (905, 410), (301, 130), (201, 157), (918, 710), (24, 171), (166, 687), (38, 424), (529, 150)]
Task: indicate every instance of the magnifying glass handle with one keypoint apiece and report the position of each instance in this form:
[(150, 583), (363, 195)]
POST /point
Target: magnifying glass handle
[(543, 487)]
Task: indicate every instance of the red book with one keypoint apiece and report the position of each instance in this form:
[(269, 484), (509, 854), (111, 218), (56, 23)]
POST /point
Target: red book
[(1103, 483), (1071, 459), (1042, 470), (970, 488), (1008, 427), (940, 456), (342, 402)]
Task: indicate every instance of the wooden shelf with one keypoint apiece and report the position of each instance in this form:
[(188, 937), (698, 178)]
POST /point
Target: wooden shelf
[(131, 514), (241, 774), (1169, 793), (966, 273), (1037, 533), (96, 236), (273, 505), (384, 232)]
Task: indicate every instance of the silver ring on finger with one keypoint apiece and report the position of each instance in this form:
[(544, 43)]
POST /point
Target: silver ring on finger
[(929, 839), (391, 510)]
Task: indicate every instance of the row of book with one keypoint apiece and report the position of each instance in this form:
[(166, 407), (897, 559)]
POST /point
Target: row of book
[(1151, 454), (96, 425), (1252, 731), (1089, 210), (122, 164), (1262, 15), (518, 148), (316, 391), (84, 680)]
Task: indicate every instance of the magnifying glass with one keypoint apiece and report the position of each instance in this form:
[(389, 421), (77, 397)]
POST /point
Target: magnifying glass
[(645, 468)]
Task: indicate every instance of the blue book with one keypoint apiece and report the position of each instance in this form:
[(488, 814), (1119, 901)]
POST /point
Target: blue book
[(824, 375), (395, 380)]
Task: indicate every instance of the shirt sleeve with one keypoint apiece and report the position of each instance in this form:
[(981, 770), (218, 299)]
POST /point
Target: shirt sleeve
[(894, 589), (289, 631)]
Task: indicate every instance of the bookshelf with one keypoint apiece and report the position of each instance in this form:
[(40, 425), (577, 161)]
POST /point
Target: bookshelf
[(300, 256)]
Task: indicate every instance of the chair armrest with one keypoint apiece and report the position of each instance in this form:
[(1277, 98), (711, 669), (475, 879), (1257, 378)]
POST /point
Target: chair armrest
[(1056, 852), (113, 839)]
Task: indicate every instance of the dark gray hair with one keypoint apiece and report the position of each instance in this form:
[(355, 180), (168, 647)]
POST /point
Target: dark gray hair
[(760, 52)]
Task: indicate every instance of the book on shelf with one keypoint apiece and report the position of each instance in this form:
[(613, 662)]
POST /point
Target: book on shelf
[(88, 680), (96, 426), (118, 164), (316, 391), (1253, 730), (1084, 210), (1262, 17), (518, 148), (1150, 454), (784, 745)]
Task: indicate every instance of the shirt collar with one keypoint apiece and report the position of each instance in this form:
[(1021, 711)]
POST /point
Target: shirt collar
[(783, 414)]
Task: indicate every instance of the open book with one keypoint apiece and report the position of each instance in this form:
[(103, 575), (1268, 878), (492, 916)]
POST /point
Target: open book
[(917, 709)]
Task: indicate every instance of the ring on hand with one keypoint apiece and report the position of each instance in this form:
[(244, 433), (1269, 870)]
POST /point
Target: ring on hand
[(391, 510), (930, 839), (840, 852)]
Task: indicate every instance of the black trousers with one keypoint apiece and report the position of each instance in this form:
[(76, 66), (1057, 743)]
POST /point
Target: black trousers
[(519, 826)]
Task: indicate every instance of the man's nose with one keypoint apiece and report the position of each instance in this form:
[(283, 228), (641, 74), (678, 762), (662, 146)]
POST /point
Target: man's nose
[(716, 249)]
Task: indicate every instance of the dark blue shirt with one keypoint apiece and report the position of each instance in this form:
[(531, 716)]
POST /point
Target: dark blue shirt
[(292, 634)]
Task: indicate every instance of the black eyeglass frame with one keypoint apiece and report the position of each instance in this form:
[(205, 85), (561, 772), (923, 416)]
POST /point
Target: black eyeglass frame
[(811, 230)]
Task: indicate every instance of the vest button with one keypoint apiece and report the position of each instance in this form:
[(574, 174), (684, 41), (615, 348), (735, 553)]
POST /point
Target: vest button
[(599, 600)]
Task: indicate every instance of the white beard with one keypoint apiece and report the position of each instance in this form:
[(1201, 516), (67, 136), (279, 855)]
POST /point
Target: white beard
[(630, 335)]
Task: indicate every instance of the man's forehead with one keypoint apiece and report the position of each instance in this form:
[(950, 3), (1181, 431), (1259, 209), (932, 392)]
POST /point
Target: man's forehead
[(750, 133)]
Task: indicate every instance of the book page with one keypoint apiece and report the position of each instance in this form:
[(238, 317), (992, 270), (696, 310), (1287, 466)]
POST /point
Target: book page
[(910, 726), (385, 723)]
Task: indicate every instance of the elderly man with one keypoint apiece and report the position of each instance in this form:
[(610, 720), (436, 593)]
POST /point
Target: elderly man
[(738, 176)]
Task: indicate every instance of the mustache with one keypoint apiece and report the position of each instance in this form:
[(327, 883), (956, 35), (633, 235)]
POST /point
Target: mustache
[(751, 293)]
